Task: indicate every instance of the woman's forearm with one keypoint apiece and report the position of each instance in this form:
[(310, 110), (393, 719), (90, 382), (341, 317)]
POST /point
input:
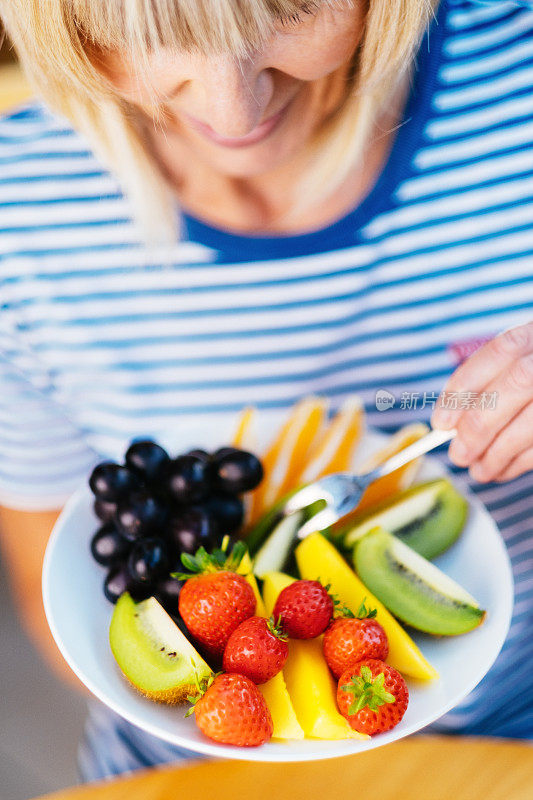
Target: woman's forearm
[(23, 539)]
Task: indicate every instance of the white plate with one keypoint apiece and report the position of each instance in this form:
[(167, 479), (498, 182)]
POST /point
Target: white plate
[(79, 615)]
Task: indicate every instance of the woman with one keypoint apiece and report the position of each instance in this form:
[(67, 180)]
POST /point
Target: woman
[(321, 197)]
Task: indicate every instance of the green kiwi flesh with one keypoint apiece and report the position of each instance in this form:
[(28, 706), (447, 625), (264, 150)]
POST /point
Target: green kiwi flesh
[(412, 588), (428, 518), (152, 652)]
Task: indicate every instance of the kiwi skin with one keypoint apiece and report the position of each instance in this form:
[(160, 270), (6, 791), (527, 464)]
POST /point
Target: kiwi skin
[(171, 697)]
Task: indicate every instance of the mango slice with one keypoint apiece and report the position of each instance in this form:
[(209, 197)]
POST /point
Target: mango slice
[(286, 725), (284, 719), (260, 606), (288, 452), (273, 583), (246, 566), (335, 449), (313, 690), (309, 682), (318, 558), (244, 438), (245, 569)]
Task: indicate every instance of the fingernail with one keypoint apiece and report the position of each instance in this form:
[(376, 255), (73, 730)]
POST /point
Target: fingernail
[(459, 453)]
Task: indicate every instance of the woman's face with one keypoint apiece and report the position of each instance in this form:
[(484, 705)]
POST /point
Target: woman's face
[(246, 117)]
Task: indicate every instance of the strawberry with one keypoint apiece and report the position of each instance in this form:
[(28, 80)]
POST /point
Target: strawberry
[(304, 609), (257, 649), (372, 696), (232, 710), (350, 638), (213, 603)]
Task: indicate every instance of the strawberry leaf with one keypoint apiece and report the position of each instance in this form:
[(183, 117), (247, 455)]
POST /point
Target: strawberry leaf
[(367, 692), (365, 613), (203, 562)]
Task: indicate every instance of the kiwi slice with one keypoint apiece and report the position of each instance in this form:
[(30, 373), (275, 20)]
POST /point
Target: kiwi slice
[(275, 555), (428, 517), (412, 588), (152, 652)]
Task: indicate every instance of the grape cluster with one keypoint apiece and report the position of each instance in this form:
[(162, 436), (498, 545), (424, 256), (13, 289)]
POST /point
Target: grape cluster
[(153, 508)]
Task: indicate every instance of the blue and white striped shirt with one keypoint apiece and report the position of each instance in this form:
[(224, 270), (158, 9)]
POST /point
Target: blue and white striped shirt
[(100, 341)]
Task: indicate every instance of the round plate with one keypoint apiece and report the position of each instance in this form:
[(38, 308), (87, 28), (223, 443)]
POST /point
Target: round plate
[(79, 616)]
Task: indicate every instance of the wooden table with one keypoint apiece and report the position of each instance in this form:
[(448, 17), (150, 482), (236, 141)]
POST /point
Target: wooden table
[(420, 768)]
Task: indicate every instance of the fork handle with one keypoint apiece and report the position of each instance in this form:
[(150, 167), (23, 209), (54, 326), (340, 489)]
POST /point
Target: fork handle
[(428, 442)]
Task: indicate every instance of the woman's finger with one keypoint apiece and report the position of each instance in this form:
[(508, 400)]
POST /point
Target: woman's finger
[(482, 368), (516, 437), (519, 466), (478, 427)]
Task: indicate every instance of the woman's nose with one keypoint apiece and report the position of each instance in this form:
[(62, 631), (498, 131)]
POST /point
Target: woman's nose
[(229, 95)]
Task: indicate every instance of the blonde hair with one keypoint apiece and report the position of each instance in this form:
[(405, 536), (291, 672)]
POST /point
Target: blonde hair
[(53, 39)]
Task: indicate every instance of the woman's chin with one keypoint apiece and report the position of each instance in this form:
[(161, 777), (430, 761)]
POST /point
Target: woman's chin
[(249, 165), (253, 160)]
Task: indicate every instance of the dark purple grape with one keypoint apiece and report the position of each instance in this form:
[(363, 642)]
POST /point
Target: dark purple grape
[(104, 509), (139, 515), (224, 451), (110, 481), (167, 592), (148, 561), (108, 546), (199, 453), (187, 479), (147, 459), (226, 511), (119, 580), (188, 530), (238, 472)]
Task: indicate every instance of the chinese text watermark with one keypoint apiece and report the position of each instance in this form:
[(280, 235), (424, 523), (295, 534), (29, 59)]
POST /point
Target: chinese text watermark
[(410, 401)]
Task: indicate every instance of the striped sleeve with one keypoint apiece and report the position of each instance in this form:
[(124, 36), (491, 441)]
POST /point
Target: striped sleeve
[(43, 457)]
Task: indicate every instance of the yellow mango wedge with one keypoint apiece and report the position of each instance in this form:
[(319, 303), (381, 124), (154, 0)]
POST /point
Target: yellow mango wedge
[(310, 685), (273, 584), (288, 452), (259, 608), (284, 719), (318, 558), (245, 569), (313, 692), (244, 437), (285, 722)]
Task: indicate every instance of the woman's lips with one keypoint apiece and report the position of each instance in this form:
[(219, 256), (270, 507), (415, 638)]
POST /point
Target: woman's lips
[(258, 134)]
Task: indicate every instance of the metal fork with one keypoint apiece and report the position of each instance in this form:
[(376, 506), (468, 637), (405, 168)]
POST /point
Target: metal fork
[(342, 491)]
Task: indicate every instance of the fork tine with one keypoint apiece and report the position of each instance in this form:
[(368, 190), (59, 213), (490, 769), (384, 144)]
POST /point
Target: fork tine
[(323, 519), (304, 497)]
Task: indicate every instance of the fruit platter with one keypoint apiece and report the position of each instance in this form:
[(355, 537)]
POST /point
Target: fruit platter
[(184, 599)]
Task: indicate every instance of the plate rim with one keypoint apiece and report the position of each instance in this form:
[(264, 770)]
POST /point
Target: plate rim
[(341, 747)]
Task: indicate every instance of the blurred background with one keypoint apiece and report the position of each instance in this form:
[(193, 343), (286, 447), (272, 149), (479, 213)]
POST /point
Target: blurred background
[(40, 718)]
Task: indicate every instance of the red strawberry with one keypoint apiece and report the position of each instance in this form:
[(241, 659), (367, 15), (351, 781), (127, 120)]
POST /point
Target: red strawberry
[(349, 639), (304, 609), (372, 696), (215, 602), (256, 649), (233, 711)]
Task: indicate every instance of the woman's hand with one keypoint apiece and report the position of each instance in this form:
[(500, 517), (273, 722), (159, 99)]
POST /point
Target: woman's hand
[(494, 438)]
